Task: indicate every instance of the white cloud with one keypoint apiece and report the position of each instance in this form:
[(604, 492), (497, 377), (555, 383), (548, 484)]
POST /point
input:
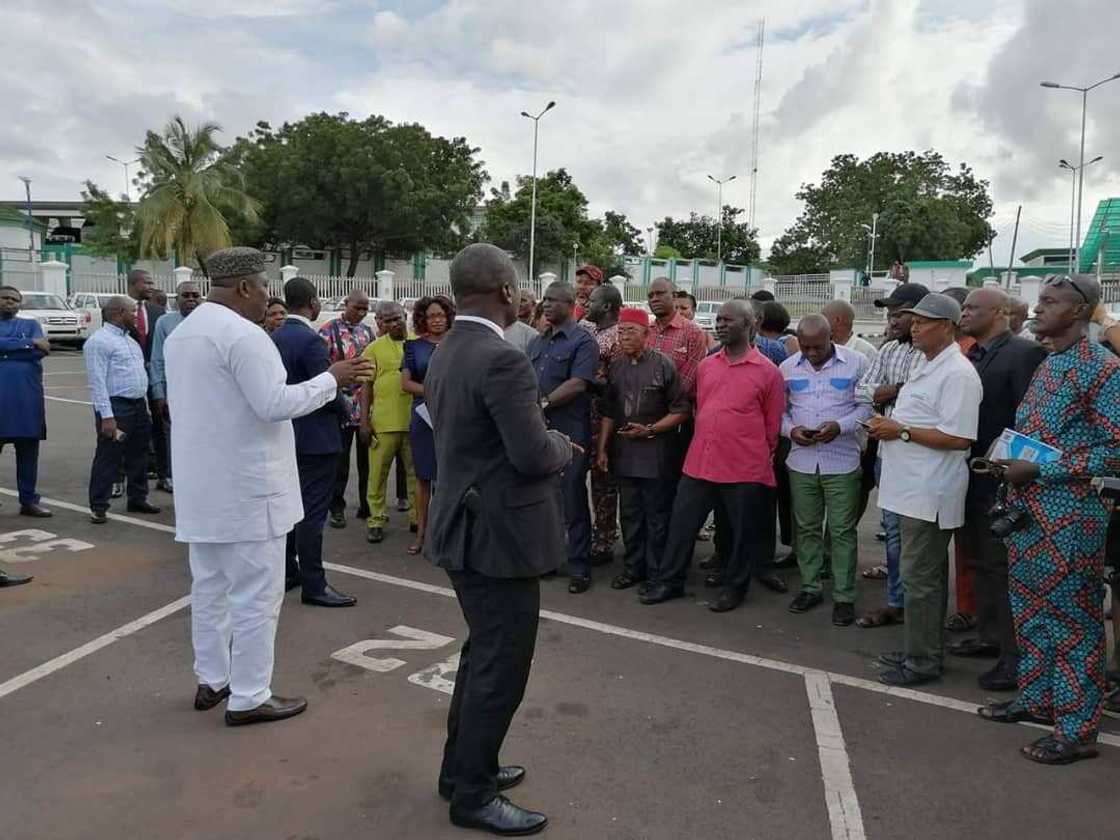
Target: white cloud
[(651, 95)]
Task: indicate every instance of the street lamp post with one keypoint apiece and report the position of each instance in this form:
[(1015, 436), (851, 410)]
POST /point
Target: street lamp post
[(1084, 91), (125, 164), (649, 233), (719, 214), (1074, 170), (30, 220), (872, 234), (533, 211)]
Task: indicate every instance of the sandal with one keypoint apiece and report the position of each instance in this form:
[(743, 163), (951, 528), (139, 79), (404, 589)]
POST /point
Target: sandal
[(1008, 713), (884, 617), (416, 548), (875, 573), (960, 622), (1051, 750)]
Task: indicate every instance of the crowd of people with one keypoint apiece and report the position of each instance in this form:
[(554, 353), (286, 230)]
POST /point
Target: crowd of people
[(755, 436)]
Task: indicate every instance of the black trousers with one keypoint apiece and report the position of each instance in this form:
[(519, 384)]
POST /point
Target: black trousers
[(501, 615), (745, 510), (867, 475), (134, 421), (350, 440), (994, 621), (316, 482), (577, 513), (645, 507), (784, 498), (160, 448), (401, 483)]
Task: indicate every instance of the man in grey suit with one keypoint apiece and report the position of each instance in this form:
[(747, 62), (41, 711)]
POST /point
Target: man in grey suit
[(498, 467)]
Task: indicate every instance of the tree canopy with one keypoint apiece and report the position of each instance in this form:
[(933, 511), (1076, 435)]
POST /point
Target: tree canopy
[(328, 181), (110, 228), (926, 212), (699, 237), (564, 228)]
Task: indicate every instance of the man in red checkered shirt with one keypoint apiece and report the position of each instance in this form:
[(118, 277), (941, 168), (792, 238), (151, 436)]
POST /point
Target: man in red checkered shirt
[(674, 335)]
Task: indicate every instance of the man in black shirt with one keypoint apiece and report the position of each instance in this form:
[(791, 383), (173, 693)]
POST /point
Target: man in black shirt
[(644, 402)]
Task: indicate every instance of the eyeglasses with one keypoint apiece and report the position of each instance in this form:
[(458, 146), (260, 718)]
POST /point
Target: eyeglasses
[(1062, 280)]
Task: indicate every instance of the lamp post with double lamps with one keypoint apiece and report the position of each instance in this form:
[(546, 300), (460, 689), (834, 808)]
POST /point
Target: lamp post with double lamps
[(125, 164), (1065, 164), (719, 214), (533, 211)]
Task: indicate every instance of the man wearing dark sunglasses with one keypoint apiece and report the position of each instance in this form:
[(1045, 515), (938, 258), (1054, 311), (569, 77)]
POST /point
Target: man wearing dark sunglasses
[(1056, 558)]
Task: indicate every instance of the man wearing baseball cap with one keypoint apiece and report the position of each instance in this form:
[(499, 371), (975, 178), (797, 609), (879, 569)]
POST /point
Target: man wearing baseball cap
[(588, 278), (879, 387), (924, 445)]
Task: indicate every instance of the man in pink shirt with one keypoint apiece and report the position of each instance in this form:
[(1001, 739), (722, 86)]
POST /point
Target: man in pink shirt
[(740, 401)]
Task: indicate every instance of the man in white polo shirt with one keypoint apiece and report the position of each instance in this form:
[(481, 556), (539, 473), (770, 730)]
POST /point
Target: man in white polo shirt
[(924, 445)]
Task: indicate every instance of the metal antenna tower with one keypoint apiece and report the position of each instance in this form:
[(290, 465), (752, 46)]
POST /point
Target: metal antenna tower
[(754, 129)]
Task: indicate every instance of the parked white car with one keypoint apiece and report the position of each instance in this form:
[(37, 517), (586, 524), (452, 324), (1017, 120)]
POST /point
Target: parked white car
[(60, 323), (640, 304), (88, 305), (706, 311)]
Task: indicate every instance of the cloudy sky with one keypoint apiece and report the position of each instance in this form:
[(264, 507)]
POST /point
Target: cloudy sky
[(652, 95)]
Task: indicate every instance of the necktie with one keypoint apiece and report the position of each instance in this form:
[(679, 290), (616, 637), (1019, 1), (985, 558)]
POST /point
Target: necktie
[(141, 324)]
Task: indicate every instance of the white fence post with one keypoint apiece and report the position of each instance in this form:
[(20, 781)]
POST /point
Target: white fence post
[(547, 279), (52, 277), (940, 284), (770, 285), (842, 282), (619, 282), (1029, 287), (384, 284), (182, 274), (287, 272)]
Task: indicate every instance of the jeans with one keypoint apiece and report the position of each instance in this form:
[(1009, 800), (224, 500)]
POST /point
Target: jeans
[(895, 595), (577, 515)]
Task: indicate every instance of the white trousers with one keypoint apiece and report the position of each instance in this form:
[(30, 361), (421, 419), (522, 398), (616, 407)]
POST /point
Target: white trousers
[(236, 594)]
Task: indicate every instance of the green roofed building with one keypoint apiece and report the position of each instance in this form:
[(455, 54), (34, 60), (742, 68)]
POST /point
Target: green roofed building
[(1100, 252)]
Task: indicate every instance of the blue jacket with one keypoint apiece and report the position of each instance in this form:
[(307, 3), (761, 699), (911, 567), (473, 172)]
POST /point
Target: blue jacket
[(305, 356)]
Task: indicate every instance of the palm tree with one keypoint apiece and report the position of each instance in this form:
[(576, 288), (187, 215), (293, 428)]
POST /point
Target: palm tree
[(191, 187)]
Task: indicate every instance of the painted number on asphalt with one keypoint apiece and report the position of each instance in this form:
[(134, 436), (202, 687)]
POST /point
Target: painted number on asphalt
[(41, 542), (439, 677)]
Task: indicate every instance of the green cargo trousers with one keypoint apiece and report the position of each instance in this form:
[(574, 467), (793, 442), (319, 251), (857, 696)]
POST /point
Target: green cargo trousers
[(837, 496)]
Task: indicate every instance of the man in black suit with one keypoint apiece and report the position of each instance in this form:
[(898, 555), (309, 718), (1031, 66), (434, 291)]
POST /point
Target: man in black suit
[(141, 288), (318, 445), (1006, 364), (498, 468)]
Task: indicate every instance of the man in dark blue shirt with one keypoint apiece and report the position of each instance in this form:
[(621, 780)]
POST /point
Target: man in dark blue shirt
[(566, 360)]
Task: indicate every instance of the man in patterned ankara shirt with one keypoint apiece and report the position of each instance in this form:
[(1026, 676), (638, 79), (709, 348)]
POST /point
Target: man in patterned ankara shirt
[(1057, 555)]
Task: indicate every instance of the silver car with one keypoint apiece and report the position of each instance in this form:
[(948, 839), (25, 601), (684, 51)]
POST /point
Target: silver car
[(59, 322)]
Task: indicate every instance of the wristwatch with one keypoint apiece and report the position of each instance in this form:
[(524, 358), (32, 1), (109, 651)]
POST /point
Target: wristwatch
[(904, 435), (544, 403), (649, 430)]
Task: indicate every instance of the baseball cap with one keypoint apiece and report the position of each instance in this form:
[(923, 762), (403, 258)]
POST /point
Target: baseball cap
[(907, 294), (937, 307)]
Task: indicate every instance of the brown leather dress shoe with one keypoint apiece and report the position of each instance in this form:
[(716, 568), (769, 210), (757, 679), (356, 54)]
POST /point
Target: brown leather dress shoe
[(207, 698), (36, 511), (275, 708)]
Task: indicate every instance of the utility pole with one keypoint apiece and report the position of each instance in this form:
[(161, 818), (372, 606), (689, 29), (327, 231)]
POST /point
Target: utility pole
[(872, 234), (1014, 239), (30, 220), (719, 214)]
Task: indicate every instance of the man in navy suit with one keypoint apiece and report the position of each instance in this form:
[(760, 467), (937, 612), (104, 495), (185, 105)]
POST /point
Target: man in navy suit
[(318, 445)]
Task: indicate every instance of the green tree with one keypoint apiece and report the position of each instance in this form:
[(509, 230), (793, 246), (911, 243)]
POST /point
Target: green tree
[(699, 237), (328, 181), (926, 212), (110, 228), (563, 225), (191, 188)]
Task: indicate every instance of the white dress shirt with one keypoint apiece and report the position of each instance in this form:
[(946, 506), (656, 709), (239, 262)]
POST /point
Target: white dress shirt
[(863, 347), (114, 367), (943, 393), (233, 450), (486, 322)]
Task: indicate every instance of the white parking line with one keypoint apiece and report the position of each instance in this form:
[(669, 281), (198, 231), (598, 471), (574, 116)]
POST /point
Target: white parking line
[(64, 373), (836, 773), (952, 703), (61, 399)]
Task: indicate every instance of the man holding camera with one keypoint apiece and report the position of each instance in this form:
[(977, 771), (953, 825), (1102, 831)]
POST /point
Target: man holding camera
[(924, 446), (1057, 552), (1005, 363)]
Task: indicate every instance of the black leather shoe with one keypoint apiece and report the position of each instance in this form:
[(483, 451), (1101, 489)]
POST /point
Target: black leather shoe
[(165, 485), (892, 658), (973, 649), (903, 676), (1003, 677), (35, 511), (714, 580), (142, 507), (500, 816), (773, 582), (8, 579), (338, 520), (375, 535), (843, 615), (579, 584), (275, 708), (508, 776), (659, 593), (601, 558), (728, 600), (291, 583), (708, 565), (363, 513), (117, 491), (207, 698), (625, 581), (98, 517), (329, 597), (413, 528), (787, 562), (805, 601)]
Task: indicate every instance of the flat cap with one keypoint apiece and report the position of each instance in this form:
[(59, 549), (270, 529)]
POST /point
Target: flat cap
[(234, 262), (938, 307)]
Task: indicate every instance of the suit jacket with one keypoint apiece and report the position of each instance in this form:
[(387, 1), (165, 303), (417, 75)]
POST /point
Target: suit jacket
[(497, 507), (1006, 370), (305, 356), (154, 313)]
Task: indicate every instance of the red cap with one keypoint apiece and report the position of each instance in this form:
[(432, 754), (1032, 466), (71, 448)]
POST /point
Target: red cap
[(592, 271), (633, 315)]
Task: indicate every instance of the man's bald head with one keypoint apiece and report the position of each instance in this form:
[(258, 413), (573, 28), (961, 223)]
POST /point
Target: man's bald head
[(841, 317), (813, 325), (120, 311), (357, 296), (660, 298), (1018, 311), (814, 336), (481, 270)]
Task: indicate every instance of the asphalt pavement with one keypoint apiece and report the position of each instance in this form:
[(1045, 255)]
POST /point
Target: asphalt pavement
[(639, 722)]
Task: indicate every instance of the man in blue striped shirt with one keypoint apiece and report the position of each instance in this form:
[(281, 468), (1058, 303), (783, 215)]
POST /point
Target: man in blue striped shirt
[(118, 384)]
